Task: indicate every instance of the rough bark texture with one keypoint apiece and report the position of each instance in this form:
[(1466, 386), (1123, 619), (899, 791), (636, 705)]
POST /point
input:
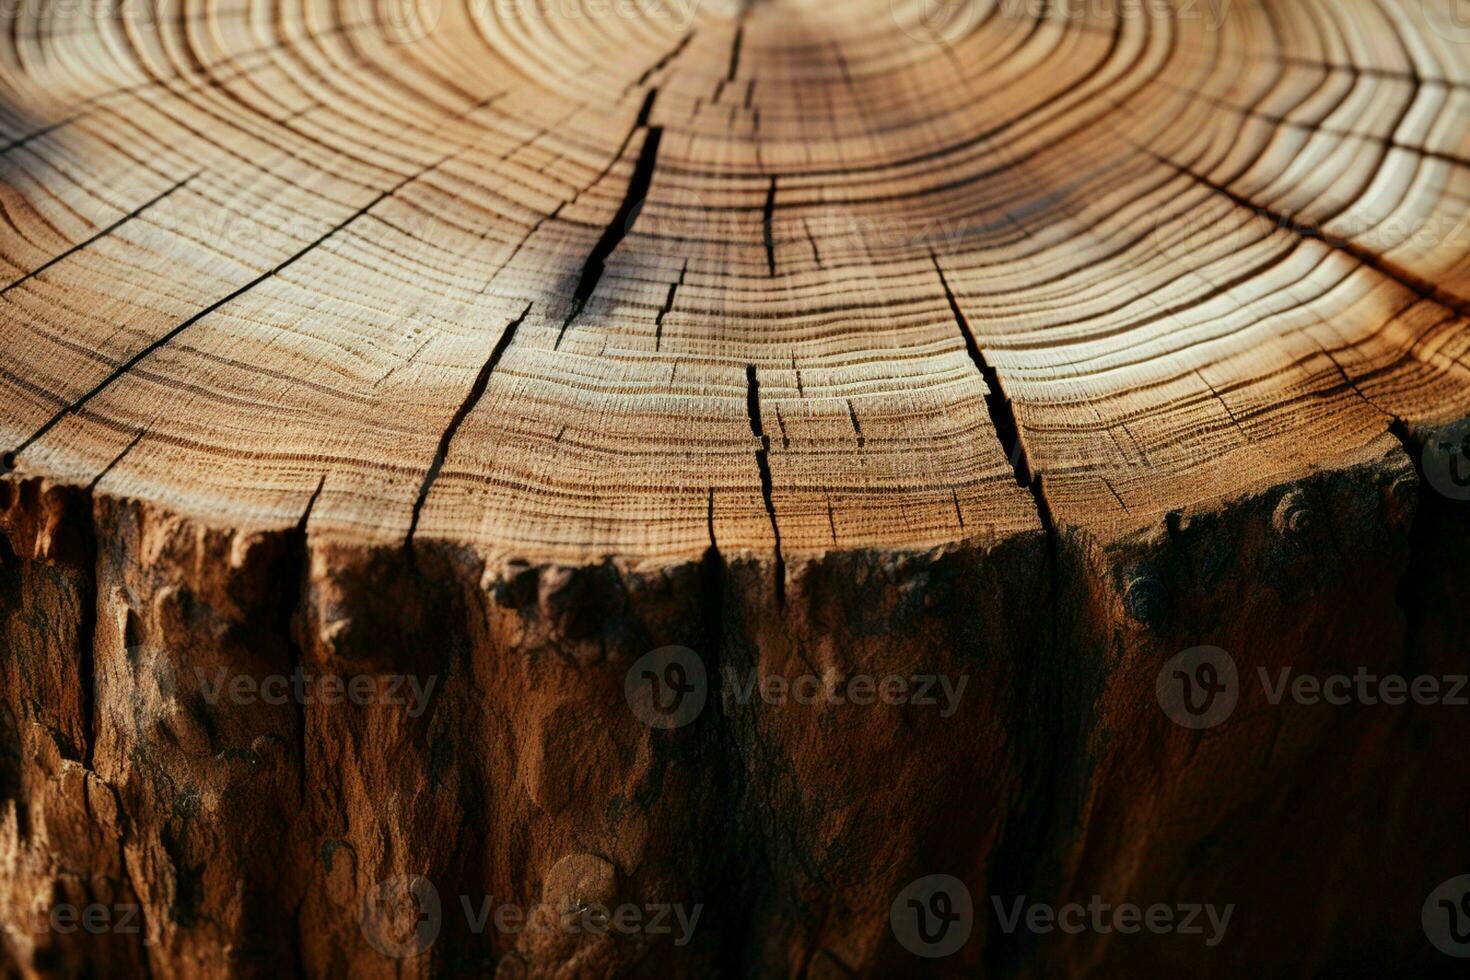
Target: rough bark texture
[(251, 834), (518, 354)]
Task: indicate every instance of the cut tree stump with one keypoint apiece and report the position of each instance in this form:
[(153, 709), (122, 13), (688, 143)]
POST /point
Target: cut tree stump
[(487, 350)]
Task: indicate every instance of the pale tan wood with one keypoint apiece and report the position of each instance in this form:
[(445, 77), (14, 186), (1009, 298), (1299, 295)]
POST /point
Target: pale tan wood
[(1085, 182)]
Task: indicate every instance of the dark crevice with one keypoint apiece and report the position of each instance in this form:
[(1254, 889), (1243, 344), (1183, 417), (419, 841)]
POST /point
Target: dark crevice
[(763, 464), (87, 636), (555, 212), (1413, 587), (1054, 696), (471, 399), (857, 426), (709, 520), (621, 223), (768, 215), (645, 112), (1002, 414), (295, 577), (735, 46), (658, 323), (753, 405), (87, 623), (729, 894)]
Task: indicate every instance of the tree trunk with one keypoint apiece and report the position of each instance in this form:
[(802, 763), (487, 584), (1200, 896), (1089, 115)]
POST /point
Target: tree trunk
[(476, 466)]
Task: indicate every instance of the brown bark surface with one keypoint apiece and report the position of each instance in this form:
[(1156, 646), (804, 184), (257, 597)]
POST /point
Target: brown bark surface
[(482, 351)]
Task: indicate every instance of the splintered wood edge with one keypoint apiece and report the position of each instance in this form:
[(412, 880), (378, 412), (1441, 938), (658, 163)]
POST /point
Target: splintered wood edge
[(777, 281), (51, 521)]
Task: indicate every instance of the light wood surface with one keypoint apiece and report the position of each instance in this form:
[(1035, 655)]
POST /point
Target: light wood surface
[(398, 260)]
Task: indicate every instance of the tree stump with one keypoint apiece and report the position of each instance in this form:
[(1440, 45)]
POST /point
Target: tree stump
[(473, 469)]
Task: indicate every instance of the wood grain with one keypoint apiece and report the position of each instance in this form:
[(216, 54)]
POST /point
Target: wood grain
[(504, 341), (507, 283)]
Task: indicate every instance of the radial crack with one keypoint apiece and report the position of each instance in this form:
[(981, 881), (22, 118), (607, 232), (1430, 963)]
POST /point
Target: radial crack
[(658, 323), (297, 580), (482, 380), (1423, 288), (763, 464), (857, 427), (618, 228), (1002, 413), (7, 463), (663, 62), (116, 459), (735, 46), (97, 237)]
